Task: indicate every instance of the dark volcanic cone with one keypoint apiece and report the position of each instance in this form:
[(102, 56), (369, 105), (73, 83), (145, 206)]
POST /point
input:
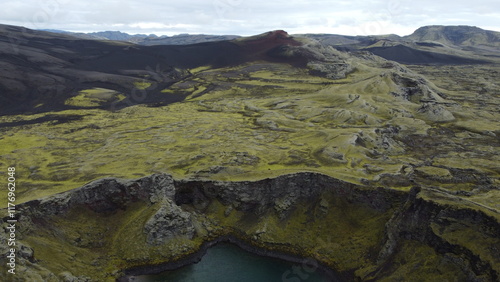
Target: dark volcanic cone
[(275, 46), (266, 41)]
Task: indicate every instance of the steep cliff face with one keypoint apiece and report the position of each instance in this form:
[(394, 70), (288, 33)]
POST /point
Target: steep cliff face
[(454, 233), (360, 232)]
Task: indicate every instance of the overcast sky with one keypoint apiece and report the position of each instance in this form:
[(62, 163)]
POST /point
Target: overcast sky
[(249, 17)]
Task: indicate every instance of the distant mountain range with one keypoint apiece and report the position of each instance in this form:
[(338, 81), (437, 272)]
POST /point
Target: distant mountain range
[(447, 35), (427, 45), (143, 39)]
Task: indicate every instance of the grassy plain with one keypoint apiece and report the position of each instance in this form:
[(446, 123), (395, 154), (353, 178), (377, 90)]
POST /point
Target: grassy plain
[(260, 120)]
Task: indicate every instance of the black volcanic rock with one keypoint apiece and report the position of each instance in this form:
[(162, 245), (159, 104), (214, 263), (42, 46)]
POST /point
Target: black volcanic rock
[(407, 55)]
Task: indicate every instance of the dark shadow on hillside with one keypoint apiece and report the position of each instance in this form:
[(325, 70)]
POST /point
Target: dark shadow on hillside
[(406, 55)]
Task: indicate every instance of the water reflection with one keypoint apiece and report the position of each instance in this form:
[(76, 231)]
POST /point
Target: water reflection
[(227, 263)]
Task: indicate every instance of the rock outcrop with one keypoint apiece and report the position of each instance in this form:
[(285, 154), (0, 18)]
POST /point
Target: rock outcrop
[(168, 222)]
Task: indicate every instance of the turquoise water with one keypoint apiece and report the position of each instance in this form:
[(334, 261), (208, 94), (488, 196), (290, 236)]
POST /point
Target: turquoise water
[(229, 263)]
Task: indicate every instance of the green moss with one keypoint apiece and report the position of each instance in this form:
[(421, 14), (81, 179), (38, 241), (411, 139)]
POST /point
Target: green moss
[(419, 262), (245, 122), (470, 235), (142, 84), (434, 171), (199, 69), (94, 97), (87, 247)]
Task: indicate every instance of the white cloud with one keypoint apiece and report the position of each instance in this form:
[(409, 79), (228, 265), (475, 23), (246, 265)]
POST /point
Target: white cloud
[(249, 17)]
